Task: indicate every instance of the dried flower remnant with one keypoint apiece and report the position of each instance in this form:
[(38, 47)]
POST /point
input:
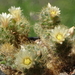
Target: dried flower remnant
[(7, 49), (59, 33), (5, 19)]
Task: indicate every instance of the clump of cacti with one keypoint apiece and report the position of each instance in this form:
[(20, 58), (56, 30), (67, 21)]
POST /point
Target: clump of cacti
[(14, 26), (57, 37), (51, 54)]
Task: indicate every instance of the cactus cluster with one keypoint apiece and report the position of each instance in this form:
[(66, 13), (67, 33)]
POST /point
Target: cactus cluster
[(49, 55), (14, 27)]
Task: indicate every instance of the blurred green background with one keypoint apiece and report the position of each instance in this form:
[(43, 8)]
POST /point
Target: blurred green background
[(32, 7)]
